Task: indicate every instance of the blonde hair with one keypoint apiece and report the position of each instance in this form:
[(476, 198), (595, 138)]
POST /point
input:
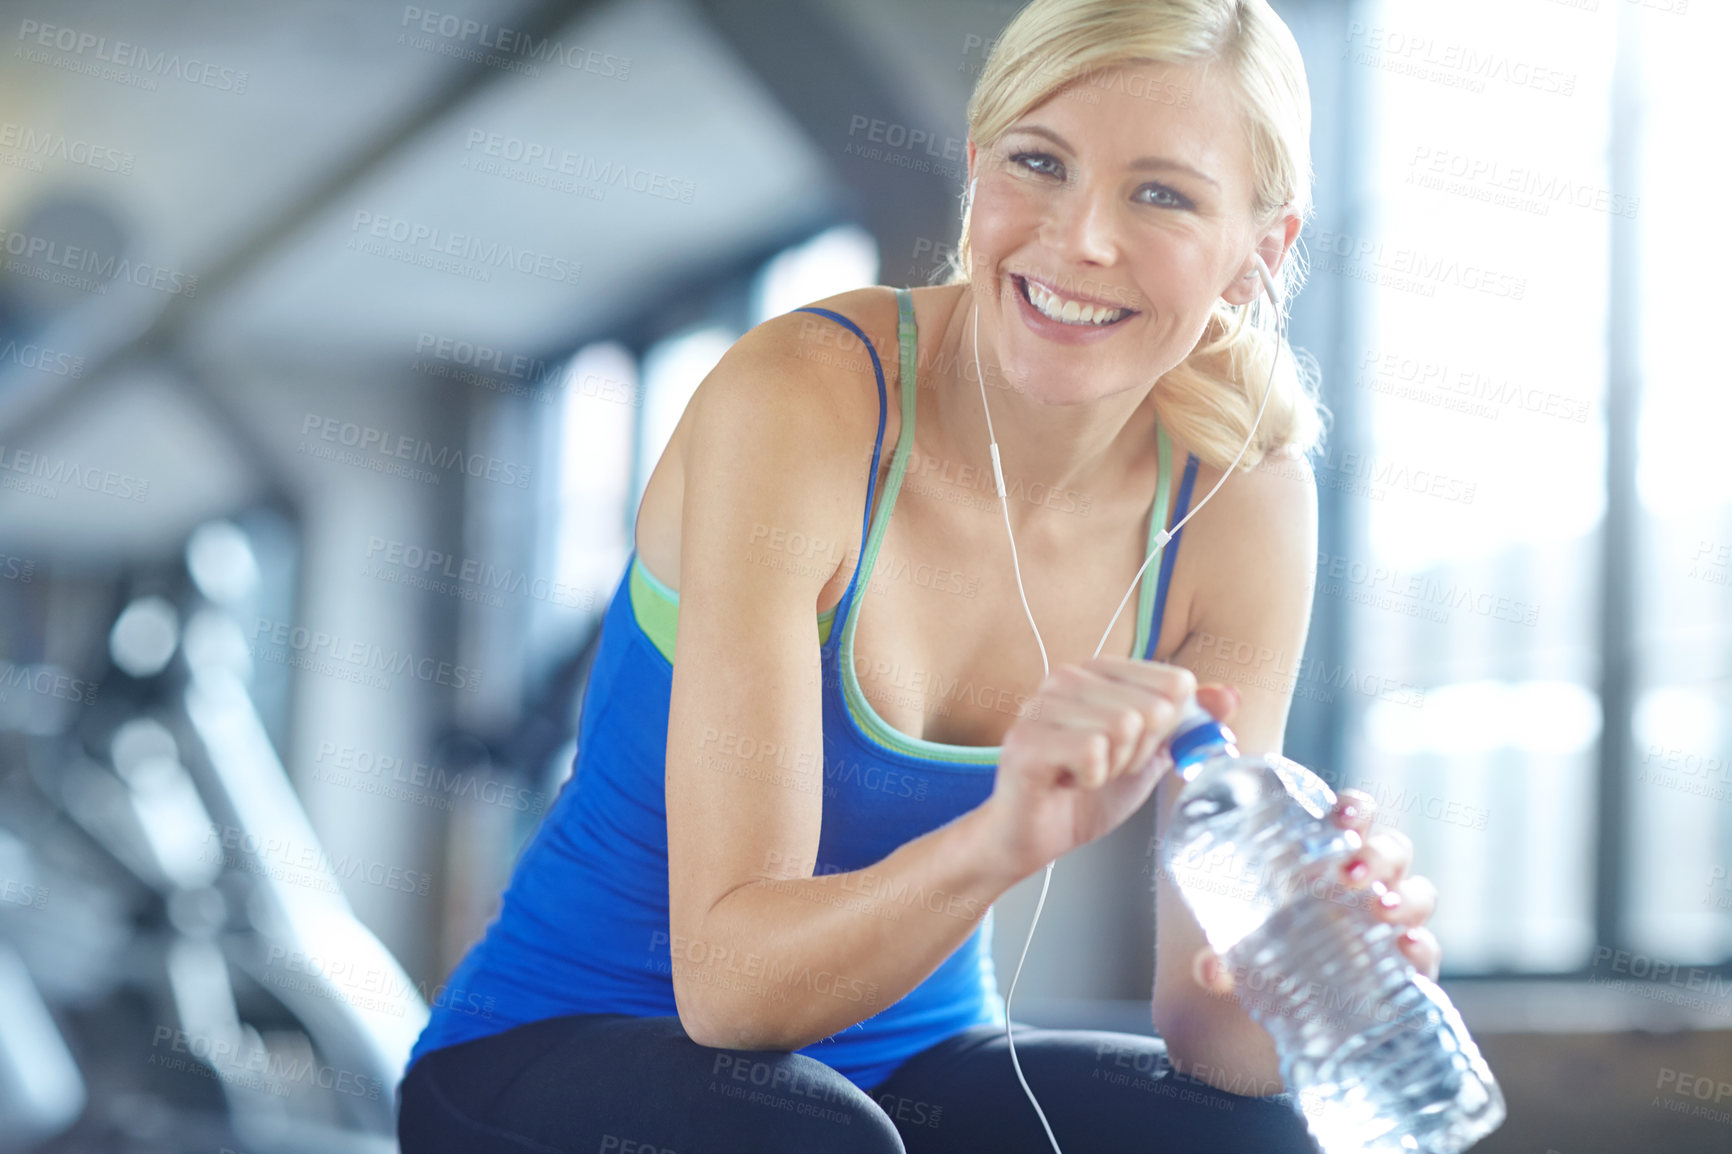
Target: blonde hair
[(1209, 400)]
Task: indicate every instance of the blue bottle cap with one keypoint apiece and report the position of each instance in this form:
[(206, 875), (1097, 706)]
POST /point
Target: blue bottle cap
[(1197, 737)]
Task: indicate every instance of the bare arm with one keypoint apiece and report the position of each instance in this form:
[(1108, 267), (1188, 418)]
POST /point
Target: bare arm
[(765, 955)]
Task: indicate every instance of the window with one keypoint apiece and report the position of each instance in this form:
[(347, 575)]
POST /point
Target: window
[(834, 261), (1470, 693), (596, 420), (1678, 895)]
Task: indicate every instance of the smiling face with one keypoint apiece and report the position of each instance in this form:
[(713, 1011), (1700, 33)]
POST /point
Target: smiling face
[(1133, 192)]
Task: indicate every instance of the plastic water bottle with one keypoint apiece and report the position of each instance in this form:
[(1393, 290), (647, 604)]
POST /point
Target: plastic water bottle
[(1372, 1050)]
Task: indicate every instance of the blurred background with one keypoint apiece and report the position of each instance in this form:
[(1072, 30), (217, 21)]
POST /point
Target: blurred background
[(338, 340)]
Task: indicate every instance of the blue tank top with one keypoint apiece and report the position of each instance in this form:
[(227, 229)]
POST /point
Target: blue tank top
[(583, 927)]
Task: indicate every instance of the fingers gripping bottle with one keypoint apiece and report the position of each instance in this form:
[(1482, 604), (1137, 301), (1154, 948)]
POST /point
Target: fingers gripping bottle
[(1372, 1050)]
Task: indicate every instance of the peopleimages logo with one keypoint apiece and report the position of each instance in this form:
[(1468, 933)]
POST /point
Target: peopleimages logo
[(26, 894), (47, 681), (418, 781), (486, 358), (363, 656), (1415, 594), (424, 242), (1657, 979), (483, 577), (255, 1067), (85, 270), (310, 866), (43, 144), (515, 45), (51, 471), (370, 442), (1462, 388), (1405, 267), (1456, 65), (100, 50), (30, 355), (551, 160)]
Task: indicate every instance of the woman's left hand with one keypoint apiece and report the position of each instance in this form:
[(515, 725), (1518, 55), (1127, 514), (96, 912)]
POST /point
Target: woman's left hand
[(1379, 867)]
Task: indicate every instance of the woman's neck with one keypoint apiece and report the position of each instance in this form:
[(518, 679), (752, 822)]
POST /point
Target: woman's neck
[(1088, 448)]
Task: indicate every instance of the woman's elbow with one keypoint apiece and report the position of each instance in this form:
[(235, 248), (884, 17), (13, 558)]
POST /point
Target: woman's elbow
[(721, 1026)]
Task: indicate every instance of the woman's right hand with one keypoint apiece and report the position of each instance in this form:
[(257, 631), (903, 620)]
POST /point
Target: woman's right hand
[(1088, 753)]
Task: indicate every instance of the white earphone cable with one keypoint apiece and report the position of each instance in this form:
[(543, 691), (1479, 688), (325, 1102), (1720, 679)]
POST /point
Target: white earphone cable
[(1161, 538)]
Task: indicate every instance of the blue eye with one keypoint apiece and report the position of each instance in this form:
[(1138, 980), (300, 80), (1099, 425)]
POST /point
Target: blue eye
[(1020, 157), (1172, 198)]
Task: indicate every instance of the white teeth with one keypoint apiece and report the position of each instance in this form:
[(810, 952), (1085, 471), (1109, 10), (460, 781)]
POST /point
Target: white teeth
[(1068, 311)]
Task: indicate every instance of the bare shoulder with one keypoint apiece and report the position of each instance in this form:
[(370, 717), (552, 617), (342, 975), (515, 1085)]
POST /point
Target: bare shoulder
[(1247, 560), (807, 372), (786, 423), (1252, 577), (1262, 523)]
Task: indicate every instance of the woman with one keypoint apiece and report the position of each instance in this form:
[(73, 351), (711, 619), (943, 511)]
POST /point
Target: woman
[(758, 917)]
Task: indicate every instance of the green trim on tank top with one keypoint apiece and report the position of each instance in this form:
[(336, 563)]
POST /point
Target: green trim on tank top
[(657, 609), (864, 714)]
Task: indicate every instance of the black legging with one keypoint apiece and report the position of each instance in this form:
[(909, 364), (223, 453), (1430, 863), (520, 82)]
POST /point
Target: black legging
[(615, 1084)]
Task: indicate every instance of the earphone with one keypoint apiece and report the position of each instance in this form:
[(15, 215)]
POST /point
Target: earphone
[(1260, 269)]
